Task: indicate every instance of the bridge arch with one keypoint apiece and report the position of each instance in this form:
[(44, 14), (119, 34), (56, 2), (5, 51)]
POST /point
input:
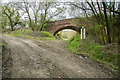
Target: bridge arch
[(67, 27)]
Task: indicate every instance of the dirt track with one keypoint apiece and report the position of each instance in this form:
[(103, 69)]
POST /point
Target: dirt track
[(50, 59)]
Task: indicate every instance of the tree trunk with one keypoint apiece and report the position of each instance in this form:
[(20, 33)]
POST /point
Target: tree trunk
[(41, 28), (113, 8), (30, 20), (107, 24), (119, 47), (12, 28)]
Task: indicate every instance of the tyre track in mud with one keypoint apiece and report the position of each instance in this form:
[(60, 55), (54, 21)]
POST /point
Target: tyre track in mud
[(49, 59), (27, 65)]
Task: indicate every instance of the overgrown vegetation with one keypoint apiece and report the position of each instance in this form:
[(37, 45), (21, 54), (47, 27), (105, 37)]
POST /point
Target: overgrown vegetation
[(99, 30), (94, 50), (26, 33), (104, 16), (102, 32)]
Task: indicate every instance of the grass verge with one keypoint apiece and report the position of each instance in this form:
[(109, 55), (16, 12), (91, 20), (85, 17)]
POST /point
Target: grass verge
[(24, 33), (92, 49)]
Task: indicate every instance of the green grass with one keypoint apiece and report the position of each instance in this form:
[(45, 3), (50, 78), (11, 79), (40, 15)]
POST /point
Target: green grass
[(24, 33), (21, 32), (94, 50)]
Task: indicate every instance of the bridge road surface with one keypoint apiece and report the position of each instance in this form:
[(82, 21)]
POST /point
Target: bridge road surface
[(49, 59)]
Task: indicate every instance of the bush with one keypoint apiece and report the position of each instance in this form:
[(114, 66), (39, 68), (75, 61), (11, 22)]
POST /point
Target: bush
[(46, 34)]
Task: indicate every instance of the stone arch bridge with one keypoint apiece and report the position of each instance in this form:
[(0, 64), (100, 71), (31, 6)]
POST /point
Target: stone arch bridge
[(59, 25)]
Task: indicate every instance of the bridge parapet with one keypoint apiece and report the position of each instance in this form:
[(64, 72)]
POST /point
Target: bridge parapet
[(61, 25)]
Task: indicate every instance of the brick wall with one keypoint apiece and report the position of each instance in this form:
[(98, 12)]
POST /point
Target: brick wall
[(58, 24)]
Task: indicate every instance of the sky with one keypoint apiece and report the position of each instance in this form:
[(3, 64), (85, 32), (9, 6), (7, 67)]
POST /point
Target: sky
[(55, 0), (67, 11), (66, 14)]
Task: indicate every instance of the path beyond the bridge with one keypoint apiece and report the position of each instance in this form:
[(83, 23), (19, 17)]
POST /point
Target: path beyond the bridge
[(50, 59)]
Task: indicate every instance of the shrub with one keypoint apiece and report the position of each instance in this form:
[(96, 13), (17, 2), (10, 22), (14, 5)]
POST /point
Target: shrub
[(46, 34)]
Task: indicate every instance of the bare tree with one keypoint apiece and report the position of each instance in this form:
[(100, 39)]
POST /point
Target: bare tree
[(107, 23), (104, 14), (12, 14), (35, 6)]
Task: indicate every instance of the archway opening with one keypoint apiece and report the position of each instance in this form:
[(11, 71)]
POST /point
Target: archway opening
[(67, 27), (66, 34)]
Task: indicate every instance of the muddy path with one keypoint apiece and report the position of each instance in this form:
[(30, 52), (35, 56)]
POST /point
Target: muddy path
[(50, 59)]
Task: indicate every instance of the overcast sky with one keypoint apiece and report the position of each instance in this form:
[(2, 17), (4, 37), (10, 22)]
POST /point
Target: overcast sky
[(55, 0), (67, 13)]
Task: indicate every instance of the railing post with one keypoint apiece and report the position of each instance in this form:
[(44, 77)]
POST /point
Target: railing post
[(81, 33), (84, 33)]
